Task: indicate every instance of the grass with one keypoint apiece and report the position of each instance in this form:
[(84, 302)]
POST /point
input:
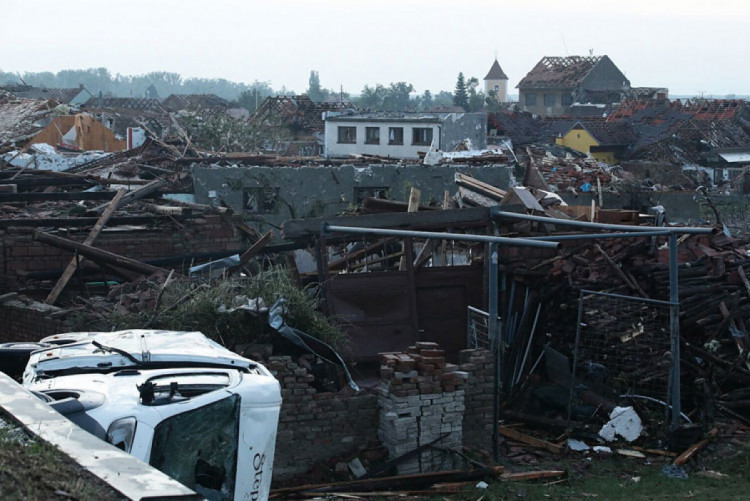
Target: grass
[(36, 470), (621, 478), (199, 311)]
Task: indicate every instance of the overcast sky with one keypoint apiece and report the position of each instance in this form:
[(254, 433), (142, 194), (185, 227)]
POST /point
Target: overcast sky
[(687, 46)]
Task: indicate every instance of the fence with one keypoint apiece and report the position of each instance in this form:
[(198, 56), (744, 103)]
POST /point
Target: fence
[(623, 346), (478, 329)]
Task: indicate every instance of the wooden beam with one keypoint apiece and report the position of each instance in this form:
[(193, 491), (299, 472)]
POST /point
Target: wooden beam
[(71, 222), (305, 228), (414, 196), (693, 449), (531, 475), (529, 440), (71, 268), (64, 195), (97, 255), (254, 250), (136, 194)]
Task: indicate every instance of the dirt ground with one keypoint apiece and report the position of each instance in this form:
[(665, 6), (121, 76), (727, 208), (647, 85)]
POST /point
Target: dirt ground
[(31, 470)]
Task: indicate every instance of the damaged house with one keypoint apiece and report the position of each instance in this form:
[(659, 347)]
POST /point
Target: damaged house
[(555, 83), (295, 122)]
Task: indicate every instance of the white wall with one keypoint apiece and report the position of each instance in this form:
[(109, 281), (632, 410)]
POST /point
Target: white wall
[(407, 150)]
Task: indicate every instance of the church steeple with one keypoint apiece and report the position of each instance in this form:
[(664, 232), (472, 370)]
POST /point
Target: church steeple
[(496, 82)]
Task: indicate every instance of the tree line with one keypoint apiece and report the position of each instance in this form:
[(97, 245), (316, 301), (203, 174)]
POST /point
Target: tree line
[(397, 96)]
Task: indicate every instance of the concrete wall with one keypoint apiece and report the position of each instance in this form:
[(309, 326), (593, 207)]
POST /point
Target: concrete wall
[(446, 135), (317, 191), (539, 108)]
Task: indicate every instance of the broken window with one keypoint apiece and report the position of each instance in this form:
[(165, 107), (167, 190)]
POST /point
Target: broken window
[(395, 135), (260, 200), (347, 135), (422, 136), (372, 135), (198, 448), (549, 100), (362, 192), (566, 99), (530, 99)]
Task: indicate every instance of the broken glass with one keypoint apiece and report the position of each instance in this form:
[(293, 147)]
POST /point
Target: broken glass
[(198, 448)]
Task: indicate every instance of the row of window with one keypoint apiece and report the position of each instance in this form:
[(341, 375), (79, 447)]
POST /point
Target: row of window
[(421, 136), (550, 100)]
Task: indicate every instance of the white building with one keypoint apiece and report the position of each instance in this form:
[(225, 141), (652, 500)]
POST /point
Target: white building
[(401, 135)]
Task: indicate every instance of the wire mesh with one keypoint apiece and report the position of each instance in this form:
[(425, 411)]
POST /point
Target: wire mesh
[(478, 329), (624, 346)]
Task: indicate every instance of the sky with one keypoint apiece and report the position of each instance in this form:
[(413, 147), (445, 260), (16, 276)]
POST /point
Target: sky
[(691, 47)]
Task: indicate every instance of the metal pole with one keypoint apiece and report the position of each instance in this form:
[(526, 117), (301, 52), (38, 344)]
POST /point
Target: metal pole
[(590, 236), (674, 331), (495, 343), (495, 212), (575, 355), (521, 242)]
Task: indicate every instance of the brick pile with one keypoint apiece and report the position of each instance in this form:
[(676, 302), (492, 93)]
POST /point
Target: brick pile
[(421, 398), (314, 425), (477, 424)]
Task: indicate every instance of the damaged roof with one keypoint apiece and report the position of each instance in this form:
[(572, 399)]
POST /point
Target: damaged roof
[(205, 102), (297, 111), (20, 118), (63, 96), (124, 103), (556, 72)]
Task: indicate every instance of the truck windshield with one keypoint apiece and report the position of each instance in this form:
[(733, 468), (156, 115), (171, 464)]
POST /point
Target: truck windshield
[(199, 448)]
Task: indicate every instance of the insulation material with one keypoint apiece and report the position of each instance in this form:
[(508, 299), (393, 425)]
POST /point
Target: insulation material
[(625, 422)]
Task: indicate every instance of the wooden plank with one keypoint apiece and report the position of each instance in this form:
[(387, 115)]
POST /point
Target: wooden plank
[(745, 281), (531, 475), (254, 250), (693, 449), (480, 187), (97, 255), (71, 268), (529, 440), (414, 196), (65, 195), (136, 194), (415, 480), (74, 222), (306, 228)]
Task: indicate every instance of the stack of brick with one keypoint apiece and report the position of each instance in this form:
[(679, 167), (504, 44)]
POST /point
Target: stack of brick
[(477, 424), (421, 399), (315, 426)]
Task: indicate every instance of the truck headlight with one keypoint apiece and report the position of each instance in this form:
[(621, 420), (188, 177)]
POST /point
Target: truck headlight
[(121, 433)]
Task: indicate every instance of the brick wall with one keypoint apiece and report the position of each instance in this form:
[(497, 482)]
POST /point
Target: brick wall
[(477, 423), (19, 253), (314, 425), (25, 320)]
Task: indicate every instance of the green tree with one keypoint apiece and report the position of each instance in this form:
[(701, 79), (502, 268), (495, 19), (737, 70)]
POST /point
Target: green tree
[(314, 90), (476, 97), (460, 96)]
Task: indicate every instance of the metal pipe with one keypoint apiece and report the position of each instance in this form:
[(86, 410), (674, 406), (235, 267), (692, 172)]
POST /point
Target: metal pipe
[(591, 236), (492, 328), (630, 298), (496, 212), (674, 331), (519, 242), (575, 354)]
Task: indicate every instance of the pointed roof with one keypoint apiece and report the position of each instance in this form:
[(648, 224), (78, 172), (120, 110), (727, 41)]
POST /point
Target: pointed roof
[(496, 72)]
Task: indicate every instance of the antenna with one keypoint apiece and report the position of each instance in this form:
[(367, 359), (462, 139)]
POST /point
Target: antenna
[(564, 45), (591, 52)]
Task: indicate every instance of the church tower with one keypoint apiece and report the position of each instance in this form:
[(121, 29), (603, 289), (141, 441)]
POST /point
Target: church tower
[(496, 81)]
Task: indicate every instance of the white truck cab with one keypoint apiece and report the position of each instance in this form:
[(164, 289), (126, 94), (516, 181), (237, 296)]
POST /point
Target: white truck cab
[(177, 400)]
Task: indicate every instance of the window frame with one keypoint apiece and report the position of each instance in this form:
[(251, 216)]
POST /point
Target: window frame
[(530, 99), (342, 128), (553, 98), (396, 142), (417, 130), (368, 140), (566, 100)]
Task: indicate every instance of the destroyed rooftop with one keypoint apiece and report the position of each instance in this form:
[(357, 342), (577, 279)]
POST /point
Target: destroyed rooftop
[(559, 72)]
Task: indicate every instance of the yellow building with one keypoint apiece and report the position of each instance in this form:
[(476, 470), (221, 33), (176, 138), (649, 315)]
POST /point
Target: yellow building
[(606, 142)]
